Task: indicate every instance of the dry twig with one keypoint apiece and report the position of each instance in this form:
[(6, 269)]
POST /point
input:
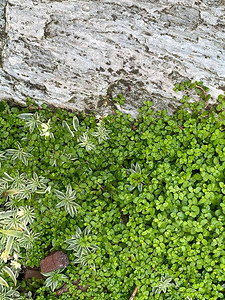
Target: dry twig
[(201, 88), (134, 293)]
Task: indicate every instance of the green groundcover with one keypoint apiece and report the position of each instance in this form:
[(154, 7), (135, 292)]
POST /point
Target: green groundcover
[(138, 205)]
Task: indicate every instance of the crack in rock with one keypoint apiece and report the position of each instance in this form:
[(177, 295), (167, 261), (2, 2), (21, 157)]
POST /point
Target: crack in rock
[(3, 34)]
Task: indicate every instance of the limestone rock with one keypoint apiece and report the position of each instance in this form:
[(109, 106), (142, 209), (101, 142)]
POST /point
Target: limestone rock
[(78, 54)]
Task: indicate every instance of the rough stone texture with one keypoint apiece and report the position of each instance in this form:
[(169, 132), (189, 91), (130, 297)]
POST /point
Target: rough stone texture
[(54, 261), (32, 273), (80, 53)]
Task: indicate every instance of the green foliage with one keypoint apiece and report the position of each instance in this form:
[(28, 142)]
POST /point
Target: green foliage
[(67, 200), (81, 246), (19, 154), (86, 142), (21, 187), (119, 99), (55, 279), (152, 189), (32, 121), (165, 283), (9, 294), (101, 133), (15, 235)]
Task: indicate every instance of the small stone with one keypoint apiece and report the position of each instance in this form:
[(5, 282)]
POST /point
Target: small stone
[(125, 218), (62, 290), (54, 261), (80, 287), (32, 273)]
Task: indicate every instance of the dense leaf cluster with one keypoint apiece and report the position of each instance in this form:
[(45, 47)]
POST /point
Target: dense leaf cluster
[(149, 194)]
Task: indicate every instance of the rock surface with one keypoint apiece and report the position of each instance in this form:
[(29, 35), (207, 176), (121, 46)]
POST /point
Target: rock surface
[(78, 54), (54, 261), (32, 273)]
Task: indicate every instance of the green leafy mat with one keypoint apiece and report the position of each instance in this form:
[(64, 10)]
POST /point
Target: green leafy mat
[(133, 203)]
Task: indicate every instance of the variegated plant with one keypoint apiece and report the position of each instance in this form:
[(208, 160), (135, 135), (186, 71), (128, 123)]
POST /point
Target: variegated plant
[(165, 283), (81, 247), (67, 200), (21, 187), (101, 133), (84, 139), (32, 121), (55, 279), (76, 125), (37, 184), (136, 174), (15, 234), (2, 157), (85, 142), (6, 270), (46, 130), (18, 153), (7, 293)]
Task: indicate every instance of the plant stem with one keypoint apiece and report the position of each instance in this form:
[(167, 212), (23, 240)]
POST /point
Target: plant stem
[(201, 88), (134, 293)]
